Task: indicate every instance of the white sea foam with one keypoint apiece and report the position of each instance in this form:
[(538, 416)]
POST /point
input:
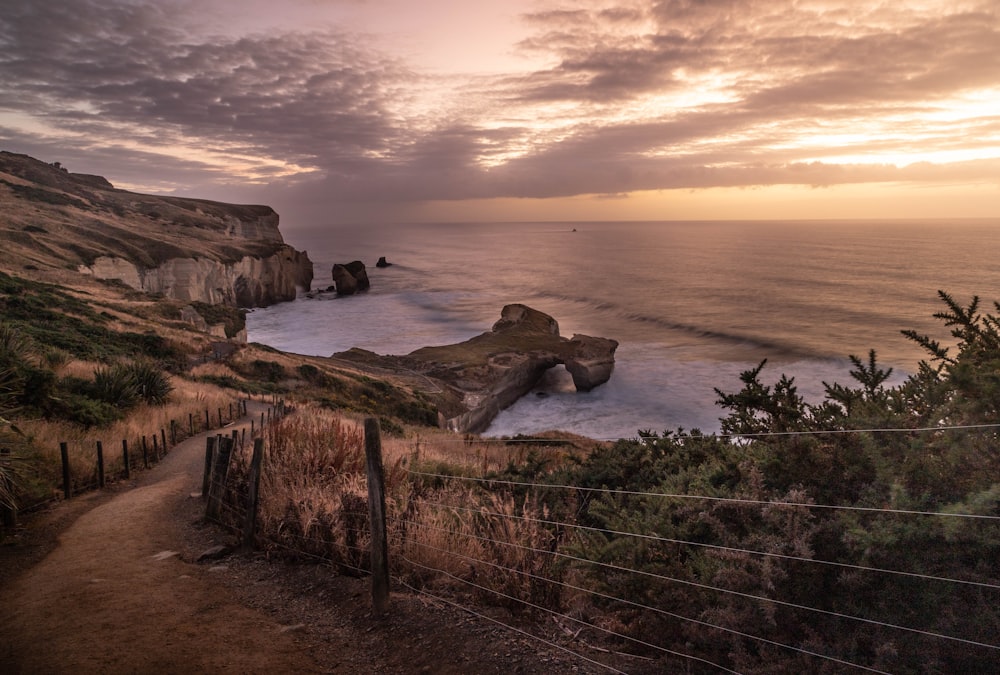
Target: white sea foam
[(692, 304)]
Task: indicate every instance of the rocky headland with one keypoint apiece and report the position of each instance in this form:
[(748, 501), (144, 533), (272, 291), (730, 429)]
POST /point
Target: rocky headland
[(191, 264), (191, 250), (478, 378)]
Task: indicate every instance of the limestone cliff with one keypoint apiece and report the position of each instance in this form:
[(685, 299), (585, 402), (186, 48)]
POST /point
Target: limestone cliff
[(249, 282), (188, 249)]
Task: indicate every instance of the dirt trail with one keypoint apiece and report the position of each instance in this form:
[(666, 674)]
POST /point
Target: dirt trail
[(122, 592), (119, 594)]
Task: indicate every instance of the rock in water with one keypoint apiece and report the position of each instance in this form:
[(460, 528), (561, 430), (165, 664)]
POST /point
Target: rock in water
[(350, 278), (483, 375), (357, 269), (382, 262)]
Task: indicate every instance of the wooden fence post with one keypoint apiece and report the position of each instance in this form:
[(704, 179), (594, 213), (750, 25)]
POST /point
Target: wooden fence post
[(209, 454), (128, 472), (191, 424), (145, 454), (173, 432), (220, 470), (220, 417), (208, 423), (156, 449), (64, 454), (163, 440), (253, 495), (8, 512), (376, 514), (100, 465)]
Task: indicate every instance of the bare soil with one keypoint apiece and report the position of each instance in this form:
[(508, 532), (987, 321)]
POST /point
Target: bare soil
[(111, 582)]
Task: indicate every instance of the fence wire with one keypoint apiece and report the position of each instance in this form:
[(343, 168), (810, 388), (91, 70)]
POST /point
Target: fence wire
[(726, 500), (404, 529)]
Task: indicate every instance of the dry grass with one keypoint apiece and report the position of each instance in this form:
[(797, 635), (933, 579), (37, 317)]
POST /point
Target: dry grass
[(76, 368), (451, 535), (185, 410), (313, 493), (212, 369)]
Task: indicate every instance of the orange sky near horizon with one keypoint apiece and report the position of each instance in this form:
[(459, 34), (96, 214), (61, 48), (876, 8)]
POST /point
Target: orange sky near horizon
[(346, 111), (772, 202)]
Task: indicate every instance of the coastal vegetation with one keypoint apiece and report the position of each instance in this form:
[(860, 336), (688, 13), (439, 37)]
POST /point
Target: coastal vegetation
[(861, 530), (784, 484), (802, 513)]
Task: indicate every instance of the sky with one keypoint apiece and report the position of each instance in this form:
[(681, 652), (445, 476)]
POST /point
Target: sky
[(354, 111)]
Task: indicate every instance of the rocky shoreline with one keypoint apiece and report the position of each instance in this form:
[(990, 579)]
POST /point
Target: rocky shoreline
[(483, 375), (198, 251)]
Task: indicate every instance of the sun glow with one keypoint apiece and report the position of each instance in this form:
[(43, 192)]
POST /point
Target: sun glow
[(980, 104), (903, 138)]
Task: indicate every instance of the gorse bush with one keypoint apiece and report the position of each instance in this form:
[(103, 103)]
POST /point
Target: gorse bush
[(727, 563)]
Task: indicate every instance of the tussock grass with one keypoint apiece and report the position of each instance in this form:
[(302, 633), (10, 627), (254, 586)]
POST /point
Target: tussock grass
[(41, 477), (314, 505), (313, 492)]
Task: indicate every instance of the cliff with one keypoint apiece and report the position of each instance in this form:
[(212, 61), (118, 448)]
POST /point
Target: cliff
[(188, 249), (252, 281)]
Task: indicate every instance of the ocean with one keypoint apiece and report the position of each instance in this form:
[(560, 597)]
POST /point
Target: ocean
[(692, 304)]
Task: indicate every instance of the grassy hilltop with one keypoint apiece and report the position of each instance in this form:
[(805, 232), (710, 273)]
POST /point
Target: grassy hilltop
[(54, 220)]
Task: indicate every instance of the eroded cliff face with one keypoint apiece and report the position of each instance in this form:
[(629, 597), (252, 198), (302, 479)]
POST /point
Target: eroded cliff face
[(186, 249), (251, 282)]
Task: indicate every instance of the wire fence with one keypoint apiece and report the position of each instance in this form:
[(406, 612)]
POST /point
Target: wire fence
[(641, 600), (93, 463)]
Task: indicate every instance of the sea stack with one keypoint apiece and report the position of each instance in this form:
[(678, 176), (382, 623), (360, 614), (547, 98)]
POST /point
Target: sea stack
[(350, 278)]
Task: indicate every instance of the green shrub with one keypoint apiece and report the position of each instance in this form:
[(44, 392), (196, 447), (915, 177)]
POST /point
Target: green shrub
[(39, 387), (266, 370), (127, 384), (88, 412), (390, 428), (225, 381)]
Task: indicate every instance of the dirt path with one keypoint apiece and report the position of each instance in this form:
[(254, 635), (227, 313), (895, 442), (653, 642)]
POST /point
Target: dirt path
[(119, 594), (122, 592)]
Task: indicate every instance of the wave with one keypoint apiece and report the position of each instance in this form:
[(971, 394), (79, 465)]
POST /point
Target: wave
[(731, 338)]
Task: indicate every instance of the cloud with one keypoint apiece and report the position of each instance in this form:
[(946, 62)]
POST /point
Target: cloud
[(124, 72), (624, 96)]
